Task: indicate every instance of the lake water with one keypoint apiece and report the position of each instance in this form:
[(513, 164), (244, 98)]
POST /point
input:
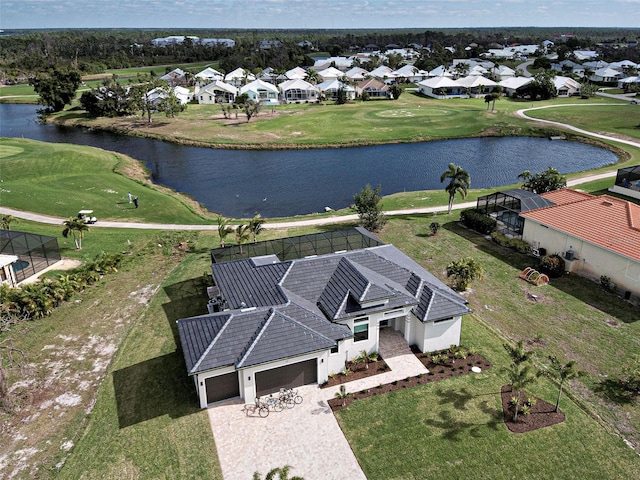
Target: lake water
[(240, 183)]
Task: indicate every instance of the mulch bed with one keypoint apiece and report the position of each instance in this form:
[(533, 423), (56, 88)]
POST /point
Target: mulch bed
[(542, 413), (436, 372), (358, 371)]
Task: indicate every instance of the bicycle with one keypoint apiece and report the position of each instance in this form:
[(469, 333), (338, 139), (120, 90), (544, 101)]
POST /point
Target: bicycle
[(274, 403), (260, 406), (290, 397)]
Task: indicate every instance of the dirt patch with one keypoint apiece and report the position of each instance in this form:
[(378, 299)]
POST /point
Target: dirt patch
[(541, 414)]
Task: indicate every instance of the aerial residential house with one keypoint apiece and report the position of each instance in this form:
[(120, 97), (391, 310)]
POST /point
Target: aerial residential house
[(23, 255), (239, 77), (173, 40), (269, 44), (330, 89), (628, 182), (175, 77), (440, 71), (624, 66), (287, 321), (606, 75), (357, 74), (384, 73), (330, 73), (409, 73), (582, 55), (596, 235), (263, 92), (515, 85), (373, 87), (218, 42), (341, 63), (208, 75), (182, 94), (476, 85), (503, 72), (477, 70), (216, 92), (298, 91), (297, 73), (442, 88), (566, 86)]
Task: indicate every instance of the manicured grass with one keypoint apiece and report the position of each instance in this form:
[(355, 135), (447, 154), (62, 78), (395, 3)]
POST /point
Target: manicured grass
[(60, 179)]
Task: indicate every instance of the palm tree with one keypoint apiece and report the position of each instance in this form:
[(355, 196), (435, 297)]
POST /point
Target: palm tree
[(496, 95), (256, 226), (242, 235), (464, 272), (6, 221), (520, 376), (460, 181), (518, 354), (76, 228), (223, 229), (561, 373), (312, 76)]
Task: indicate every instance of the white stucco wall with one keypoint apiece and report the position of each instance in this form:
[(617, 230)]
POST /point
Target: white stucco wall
[(441, 335), (591, 260)]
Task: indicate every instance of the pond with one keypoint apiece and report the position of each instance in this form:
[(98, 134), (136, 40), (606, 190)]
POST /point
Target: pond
[(240, 183)]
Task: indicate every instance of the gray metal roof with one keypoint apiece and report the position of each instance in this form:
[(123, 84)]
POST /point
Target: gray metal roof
[(528, 199)]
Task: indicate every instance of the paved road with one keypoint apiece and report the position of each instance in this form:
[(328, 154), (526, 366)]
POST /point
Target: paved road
[(523, 68), (331, 219)]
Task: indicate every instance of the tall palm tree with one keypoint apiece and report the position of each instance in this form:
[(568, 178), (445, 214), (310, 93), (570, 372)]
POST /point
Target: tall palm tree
[(256, 226), (459, 181), (223, 229), (242, 235), (76, 228)]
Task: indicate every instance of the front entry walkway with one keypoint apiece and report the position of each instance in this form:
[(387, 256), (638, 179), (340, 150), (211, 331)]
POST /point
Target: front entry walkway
[(307, 437)]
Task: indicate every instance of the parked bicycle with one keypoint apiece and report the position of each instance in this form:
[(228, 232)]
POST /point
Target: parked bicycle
[(259, 406), (290, 397), (275, 403)]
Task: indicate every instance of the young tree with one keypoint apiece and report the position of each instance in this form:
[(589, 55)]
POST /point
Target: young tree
[(369, 209), (76, 228), (251, 109), (520, 376), (223, 229), (56, 89), (459, 182), (518, 354), (242, 235), (561, 372), (169, 104), (6, 221), (395, 91), (464, 272), (546, 181), (341, 96), (256, 226)]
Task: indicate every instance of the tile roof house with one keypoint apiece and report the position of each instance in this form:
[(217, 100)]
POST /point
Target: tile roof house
[(288, 323), (597, 235)]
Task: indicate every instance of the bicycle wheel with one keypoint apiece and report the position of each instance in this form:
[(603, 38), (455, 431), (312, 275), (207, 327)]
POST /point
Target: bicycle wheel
[(277, 406), (263, 412), (297, 399), (288, 402)]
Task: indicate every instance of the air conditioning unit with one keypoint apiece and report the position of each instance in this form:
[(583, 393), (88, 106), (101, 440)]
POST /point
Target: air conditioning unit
[(569, 255)]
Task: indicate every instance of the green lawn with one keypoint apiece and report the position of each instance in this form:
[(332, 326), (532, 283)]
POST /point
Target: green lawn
[(60, 179)]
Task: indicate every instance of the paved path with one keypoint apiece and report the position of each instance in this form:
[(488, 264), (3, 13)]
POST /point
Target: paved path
[(307, 437)]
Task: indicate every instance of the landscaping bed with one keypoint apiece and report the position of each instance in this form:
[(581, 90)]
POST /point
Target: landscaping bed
[(356, 371), (541, 413), (436, 372)]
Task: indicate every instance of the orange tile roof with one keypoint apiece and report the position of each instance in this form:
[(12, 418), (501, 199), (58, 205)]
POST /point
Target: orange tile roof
[(565, 195), (606, 221)]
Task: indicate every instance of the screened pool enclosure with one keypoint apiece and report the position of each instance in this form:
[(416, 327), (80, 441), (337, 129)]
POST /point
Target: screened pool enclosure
[(34, 252)]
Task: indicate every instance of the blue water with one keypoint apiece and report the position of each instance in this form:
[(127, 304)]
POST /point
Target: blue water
[(240, 183)]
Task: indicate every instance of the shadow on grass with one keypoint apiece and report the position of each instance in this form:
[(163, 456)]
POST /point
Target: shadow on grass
[(452, 426), (186, 299), (154, 388), (578, 287), (614, 390)]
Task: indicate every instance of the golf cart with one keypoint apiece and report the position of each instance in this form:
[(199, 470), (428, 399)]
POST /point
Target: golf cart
[(86, 216)]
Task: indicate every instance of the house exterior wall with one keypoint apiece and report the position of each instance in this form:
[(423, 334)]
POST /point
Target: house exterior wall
[(590, 260)]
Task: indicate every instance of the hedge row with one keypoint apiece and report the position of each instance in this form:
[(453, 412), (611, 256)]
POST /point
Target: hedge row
[(478, 221)]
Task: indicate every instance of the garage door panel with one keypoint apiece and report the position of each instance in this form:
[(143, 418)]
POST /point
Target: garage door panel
[(289, 376), (222, 387)]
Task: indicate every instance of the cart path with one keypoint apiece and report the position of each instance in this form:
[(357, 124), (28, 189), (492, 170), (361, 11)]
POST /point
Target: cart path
[(331, 219)]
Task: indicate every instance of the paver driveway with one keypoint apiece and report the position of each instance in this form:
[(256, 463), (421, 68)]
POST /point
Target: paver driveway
[(307, 438)]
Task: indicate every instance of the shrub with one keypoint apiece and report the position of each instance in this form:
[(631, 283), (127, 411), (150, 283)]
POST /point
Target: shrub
[(434, 227), (553, 265), (478, 221), (531, 401), (519, 245), (607, 284), (460, 353), (526, 409), (346, 372)]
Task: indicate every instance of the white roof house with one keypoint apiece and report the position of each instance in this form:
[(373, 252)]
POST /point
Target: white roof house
[(209, 74), (157, 94), (566, 86), (356, 73), (330, 89), (503, 72), (585, 54), (296, 73), (384, 73), (216, 92), (477, 84), (239, 76), (330, 74), (342, 63), (298, 91), (621, 65), (411, 73), (441, 87), (440, 71), (260, 91), (512, 84), (605, 75), (478, 70)]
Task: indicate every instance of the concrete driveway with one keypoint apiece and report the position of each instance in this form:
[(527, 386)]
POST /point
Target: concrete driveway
[(306, 437)]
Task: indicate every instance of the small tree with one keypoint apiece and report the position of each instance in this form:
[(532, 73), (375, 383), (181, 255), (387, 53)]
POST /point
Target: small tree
[(464, 272), (224, 229), (6, 221), (341, 95), (395, 91), (547, 181), (256, 226), (242, 235), (76, 228), (434, 227), (520, 376), (459, 182), (561, 372), (367, 204), (518, 354), (251, 109)]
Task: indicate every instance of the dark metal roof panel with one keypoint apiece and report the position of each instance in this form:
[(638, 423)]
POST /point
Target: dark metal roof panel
[(243, 284)]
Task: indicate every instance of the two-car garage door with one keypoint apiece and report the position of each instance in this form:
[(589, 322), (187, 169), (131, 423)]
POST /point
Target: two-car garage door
[(289, 376)]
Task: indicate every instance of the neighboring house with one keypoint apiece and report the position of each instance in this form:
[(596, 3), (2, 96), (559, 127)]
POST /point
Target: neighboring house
[(566, 86), (330, 89), (33, 253), (7, 273), (173, 40), (341, 63), (476, 85), (440, 71), (269, 44), (239, 77), (477, 70), (218, 42), (175, 77), (263, 92), (216, 92), (295, 322), (623, 65), (596, 235), (374, 88), (297, 73), (503, 72), (628, 182), (330, 73), (298, 91), (158, 94), (605, 75), (209, 75), (514, 84), (383, 73), (441, 87), (356, 74), (410, 73), (626, 82), (582, 55)]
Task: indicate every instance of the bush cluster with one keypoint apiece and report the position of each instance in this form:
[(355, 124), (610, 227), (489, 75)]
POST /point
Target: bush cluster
[(478, 221), (553, 265), (517, 244), (39, 299)]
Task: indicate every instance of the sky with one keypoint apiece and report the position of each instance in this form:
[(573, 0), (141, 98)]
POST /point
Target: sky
[(317, 13)]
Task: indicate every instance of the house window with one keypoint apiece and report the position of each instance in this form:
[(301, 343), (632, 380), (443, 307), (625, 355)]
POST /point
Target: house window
[(442, 320), (361, 332), (335, 348)]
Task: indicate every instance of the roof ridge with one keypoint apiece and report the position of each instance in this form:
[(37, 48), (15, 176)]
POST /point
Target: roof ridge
[(256, 336), (212, 343)]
